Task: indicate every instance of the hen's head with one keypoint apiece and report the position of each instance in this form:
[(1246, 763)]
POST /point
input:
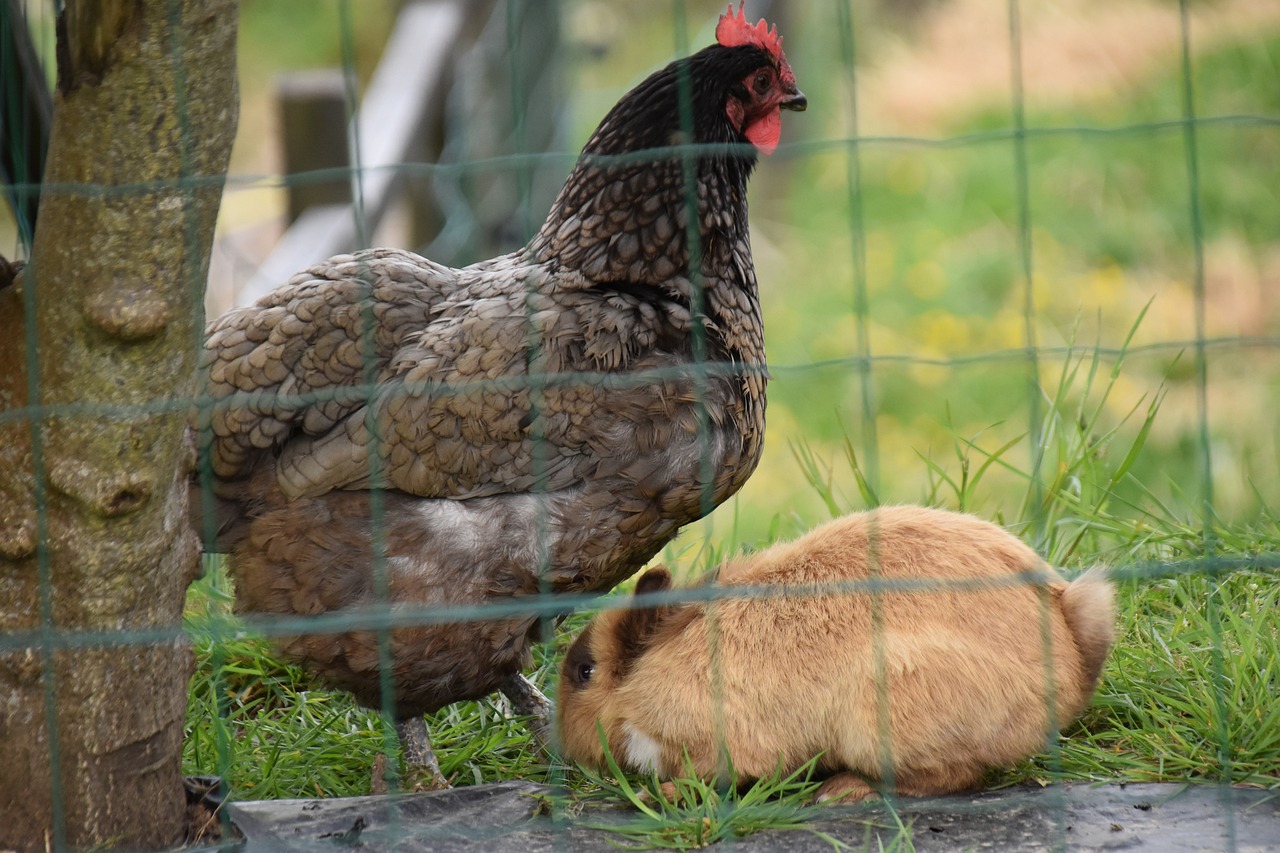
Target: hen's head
[(623, 212), (730, 92), (753, 105)]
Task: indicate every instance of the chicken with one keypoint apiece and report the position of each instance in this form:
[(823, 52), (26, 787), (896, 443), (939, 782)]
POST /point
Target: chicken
[(384, 428)]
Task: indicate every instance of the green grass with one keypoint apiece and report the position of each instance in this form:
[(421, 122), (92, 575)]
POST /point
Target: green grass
[(1190, 689), (259, 722), (1187, 695), (692, 814)]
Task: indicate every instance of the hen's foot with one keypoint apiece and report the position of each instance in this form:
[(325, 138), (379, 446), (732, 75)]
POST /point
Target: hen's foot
[(421, 769), (528, 701)]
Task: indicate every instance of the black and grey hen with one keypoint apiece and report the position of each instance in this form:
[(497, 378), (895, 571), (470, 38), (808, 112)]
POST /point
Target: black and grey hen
[(544, 420)]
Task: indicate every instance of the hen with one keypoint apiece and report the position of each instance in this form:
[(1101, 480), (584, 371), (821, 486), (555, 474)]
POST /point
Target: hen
[(386, 428)]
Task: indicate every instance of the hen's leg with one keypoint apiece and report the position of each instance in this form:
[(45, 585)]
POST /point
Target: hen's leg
[(528, 701), (421, 769)]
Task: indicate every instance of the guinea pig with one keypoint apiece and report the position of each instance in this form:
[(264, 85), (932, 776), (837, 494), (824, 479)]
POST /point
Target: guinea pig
[(943, 663)]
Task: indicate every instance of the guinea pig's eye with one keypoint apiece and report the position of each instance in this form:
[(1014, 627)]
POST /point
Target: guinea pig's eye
[(585, 671)]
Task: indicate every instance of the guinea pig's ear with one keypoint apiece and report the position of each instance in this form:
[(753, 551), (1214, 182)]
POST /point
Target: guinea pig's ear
[(657, 579), (637, 624)]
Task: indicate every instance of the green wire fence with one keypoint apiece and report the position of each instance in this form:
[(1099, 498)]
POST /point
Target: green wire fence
[(1046, 294)]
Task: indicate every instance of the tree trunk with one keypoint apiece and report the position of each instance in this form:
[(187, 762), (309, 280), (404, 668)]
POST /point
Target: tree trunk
[(96, 358)]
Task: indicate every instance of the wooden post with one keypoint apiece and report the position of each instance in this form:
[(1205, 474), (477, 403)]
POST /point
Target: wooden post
[(313, 118), (416, 62)]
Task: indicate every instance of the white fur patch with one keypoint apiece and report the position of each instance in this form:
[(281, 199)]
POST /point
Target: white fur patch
[(640, 752), (472, 525), (509, 525)]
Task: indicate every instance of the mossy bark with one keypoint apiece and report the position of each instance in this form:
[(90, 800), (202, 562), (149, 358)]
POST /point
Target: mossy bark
[(96, 367)]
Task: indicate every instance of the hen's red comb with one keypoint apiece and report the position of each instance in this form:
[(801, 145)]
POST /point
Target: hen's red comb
[(733, 30)]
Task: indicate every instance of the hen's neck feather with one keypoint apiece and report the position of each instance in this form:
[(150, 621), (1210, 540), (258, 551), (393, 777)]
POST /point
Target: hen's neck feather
[(623, 213)]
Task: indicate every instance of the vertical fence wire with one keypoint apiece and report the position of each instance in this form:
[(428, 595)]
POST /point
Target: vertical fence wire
[(1026, 257), (844, 14), (1209, 515), (858, 242), (1035, 429)]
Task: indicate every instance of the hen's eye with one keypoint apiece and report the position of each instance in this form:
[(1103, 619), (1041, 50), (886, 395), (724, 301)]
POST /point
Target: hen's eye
[(585, 671), (761, 82)]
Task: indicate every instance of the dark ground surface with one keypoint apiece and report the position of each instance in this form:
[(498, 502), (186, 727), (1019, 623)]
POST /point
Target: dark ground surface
[(511, 816)]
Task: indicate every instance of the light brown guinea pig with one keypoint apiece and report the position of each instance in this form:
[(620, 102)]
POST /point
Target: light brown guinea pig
[(961, 643)]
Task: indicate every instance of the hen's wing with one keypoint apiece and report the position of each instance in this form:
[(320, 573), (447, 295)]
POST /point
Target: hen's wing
[(451, 416), (458, 390), (303, 357)]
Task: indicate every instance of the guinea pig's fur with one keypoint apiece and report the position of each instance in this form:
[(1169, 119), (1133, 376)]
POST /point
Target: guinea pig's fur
[(965, 682)]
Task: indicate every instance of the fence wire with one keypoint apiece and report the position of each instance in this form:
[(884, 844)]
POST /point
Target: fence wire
[(1055, 309)]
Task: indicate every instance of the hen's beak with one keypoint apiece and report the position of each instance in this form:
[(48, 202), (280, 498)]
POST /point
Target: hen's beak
[(797, 102)]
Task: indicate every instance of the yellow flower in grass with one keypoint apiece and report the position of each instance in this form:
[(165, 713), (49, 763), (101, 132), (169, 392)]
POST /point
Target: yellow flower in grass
[(1006, 330), (907, 174), (1103, 288), (881, 256), (929, 373), (1044, 287), (926, 280), (943, 331)]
